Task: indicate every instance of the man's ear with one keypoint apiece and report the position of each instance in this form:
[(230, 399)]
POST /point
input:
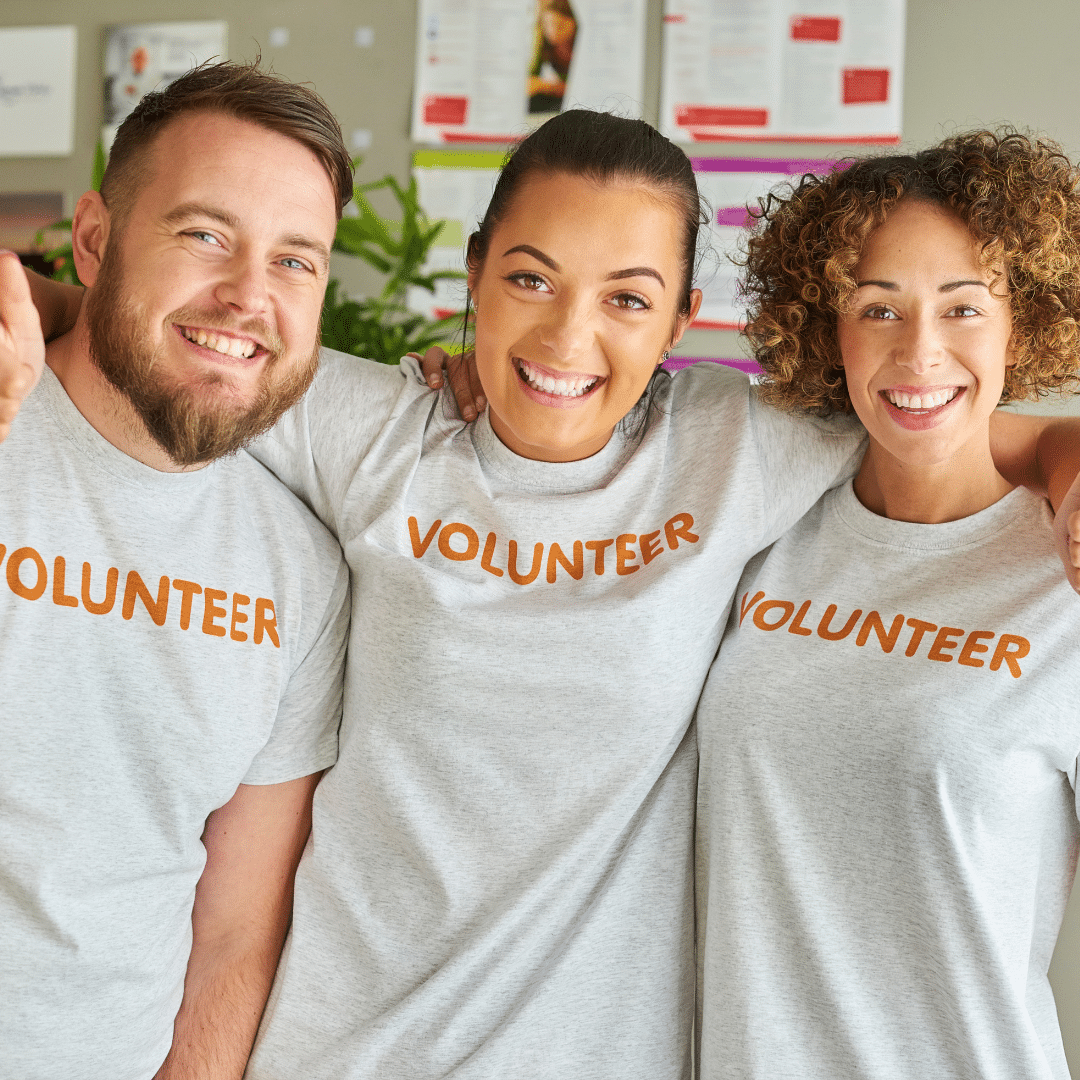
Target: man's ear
[(90, 228)]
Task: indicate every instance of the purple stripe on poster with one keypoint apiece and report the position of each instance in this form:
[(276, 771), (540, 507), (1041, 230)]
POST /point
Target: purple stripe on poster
[(787, 166), (751, 367), (734, 215)]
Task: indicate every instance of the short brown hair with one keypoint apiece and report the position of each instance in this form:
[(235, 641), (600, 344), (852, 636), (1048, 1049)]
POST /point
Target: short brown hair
[(239, 90), (1018, 196)]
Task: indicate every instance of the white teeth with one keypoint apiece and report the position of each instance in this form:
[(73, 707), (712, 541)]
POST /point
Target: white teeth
[(933, 399), (558, 387), (241, 348)]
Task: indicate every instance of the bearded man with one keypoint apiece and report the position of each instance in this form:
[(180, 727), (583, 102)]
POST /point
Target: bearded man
[(172, 620)]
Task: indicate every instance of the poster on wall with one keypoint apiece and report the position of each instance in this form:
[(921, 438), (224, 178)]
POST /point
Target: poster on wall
[(454, 186), (730, 185), (147, 56), (37, 91), (489, 70), (782, 70)]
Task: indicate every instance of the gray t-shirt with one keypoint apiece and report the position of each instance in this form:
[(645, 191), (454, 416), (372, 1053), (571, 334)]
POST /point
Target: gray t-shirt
[(163, 638), (499, 879), (887, 824)]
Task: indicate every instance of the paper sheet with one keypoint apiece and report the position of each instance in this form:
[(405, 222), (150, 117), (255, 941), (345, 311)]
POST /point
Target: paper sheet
[(147, 56), (783, 70), (37, 91), (730, 185), (488, 70), (454, 186)]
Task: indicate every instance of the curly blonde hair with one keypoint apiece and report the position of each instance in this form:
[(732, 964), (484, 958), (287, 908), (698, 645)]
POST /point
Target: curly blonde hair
[(1019, 197)]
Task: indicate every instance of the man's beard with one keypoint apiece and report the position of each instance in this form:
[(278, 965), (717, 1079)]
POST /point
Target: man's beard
[(190, 423)]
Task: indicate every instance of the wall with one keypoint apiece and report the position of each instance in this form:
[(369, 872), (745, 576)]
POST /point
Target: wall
[(969, 63)]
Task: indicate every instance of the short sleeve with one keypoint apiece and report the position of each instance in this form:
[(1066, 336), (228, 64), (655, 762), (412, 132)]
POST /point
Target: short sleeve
[(316, 448), (304, 738), (800, 457)]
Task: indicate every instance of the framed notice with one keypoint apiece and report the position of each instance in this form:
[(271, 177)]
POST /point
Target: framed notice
[(37, 91), (730, 185), (783, 70), (147, 56), (454, 186), (489, 70)]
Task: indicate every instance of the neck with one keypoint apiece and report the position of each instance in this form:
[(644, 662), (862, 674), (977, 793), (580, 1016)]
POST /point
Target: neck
[(103, 406), (930, 493)]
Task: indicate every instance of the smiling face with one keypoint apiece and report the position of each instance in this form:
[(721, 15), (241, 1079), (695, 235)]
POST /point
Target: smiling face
[(925, 342), (205, 309), (576, 302)]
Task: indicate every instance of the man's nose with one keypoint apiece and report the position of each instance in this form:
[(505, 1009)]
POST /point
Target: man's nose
[(243, 287)]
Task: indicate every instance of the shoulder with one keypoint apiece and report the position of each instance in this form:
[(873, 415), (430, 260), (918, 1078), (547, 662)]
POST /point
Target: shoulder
[(277, 523)]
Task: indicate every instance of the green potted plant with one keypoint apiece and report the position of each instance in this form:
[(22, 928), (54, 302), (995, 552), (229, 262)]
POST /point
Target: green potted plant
[(383, 327)]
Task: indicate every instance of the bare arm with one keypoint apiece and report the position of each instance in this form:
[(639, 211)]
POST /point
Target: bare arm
[(1043, 453), (243, 903), (22, 345), (57, 303)]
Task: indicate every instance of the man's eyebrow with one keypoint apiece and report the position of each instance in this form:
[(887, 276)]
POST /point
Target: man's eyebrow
[(528, 249), (187, 211), (316, 247), (633, 271)]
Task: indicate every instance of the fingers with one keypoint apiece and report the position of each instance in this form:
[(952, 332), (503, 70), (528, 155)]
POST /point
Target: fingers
[(474, 381), (432, 365), (22, 347), (464, 386), (1074, 539), (436, 364)]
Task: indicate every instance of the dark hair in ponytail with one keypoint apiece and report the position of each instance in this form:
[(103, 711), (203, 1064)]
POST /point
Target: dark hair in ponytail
[(603, 148)]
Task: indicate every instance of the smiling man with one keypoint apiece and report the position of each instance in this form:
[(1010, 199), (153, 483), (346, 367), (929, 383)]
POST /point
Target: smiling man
[(172, 620)]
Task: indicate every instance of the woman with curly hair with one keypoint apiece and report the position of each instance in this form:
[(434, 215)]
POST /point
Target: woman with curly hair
[(887, 818)]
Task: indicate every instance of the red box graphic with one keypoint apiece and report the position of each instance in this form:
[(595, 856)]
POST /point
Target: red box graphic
[(866, 85), (815, 28), (445, 110), (729, 116)]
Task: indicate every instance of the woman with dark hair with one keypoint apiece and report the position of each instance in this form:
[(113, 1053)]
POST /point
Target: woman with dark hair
[(499, 880), (887, 810)]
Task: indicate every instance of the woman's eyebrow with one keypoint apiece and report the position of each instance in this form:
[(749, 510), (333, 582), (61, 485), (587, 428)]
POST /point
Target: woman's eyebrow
[(950, 285), (528, 249), (637, 271), (890, 285), (536, 253)]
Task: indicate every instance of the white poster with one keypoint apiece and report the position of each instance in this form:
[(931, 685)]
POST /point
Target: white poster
[(782, 70), (730, 185), (37, 91), (147, 56), (455, 187), (488, 70)]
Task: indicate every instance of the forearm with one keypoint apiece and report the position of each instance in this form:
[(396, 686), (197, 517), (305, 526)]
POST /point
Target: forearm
[(243, 903), (225, 991), (1040, 453), (57, 303)]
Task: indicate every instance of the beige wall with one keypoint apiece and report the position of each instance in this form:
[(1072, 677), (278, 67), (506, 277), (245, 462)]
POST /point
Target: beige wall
[(969, 63)]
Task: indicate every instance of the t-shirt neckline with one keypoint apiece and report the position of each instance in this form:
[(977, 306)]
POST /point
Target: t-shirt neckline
[(97, 450), (912, 534), (549, 477)]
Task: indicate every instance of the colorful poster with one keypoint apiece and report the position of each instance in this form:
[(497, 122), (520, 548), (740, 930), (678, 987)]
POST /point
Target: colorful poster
[(454, 186), (37, 91), (730, 185), (783, 70), (488, 70), (144, 57)]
